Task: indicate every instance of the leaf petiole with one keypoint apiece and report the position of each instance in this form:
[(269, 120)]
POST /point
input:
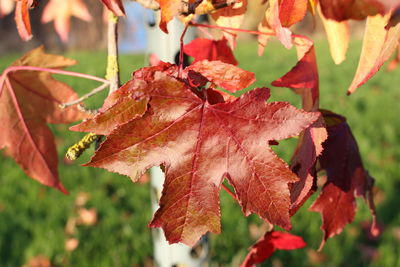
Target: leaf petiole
[(55, 71)]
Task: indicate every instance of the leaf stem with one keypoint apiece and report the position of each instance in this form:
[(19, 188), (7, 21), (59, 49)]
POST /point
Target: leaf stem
[(2, 79), (112, 59), (86, 96), (181, 51), (229, 191), (239, 30), (229, 29), (55, 71), (206, 33)]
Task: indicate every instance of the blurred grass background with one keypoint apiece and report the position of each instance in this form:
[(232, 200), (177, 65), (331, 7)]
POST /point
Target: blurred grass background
[(33, 218)]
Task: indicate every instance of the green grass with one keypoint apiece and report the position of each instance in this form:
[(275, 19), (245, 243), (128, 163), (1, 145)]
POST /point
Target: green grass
[(33, 218)]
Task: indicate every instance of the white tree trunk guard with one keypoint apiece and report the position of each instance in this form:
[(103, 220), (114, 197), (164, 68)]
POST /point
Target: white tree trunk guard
[(166, 47)]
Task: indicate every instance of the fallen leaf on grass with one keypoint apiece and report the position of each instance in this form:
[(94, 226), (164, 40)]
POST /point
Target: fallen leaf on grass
[(71, 244)]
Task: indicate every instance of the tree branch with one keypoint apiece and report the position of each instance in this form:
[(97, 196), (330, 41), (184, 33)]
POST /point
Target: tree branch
[(112, 59), (197, 7), (84, 97)]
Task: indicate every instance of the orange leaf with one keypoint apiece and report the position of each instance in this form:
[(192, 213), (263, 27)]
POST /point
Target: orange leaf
[(231, 16), (60, 11), (271, 23), (379, 44), (338, 37), (292, 11), (169, 9), (22, 19)]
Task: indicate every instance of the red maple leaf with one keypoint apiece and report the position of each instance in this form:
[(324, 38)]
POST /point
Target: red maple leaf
[(200, 143), (203, 48), (267, 245), (28, 101), (347, 178), (344, 9), (304, 80), (356, 9)]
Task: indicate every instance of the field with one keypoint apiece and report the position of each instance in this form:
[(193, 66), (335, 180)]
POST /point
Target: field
[(33, 218)]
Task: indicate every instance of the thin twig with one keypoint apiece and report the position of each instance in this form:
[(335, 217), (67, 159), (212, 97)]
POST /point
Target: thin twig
[(112, 59), (228, 28), (86, 110), (190, 7), (206, 33), (86, 96)]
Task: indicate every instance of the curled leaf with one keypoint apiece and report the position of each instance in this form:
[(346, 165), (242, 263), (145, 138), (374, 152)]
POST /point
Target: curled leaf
[(267, 245), (347, 179), (22, 19), (378, 45)]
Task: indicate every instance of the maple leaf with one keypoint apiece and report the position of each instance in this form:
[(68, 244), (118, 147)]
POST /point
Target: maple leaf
[(200, 143), (231, 16), (346, 178), (271, 24), (6, 7), (169, 9), (378, 45), (61, 11), (338, 34), (119, 108), (266, 246), (29, 100), (292, 11), (227, 76), (115, 6), (349, 9), (304, 75), (387, 5), (186, 9), (304, 80), (202, 48), (22, 19)]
